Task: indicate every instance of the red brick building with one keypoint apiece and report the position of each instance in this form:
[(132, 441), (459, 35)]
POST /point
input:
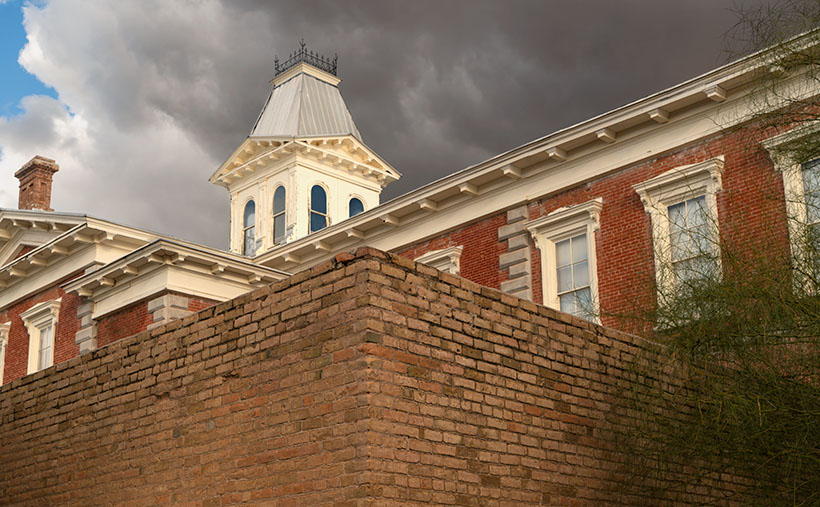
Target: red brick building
[(590, 219)]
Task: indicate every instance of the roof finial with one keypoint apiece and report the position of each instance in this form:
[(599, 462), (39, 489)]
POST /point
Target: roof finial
[(309, 57)]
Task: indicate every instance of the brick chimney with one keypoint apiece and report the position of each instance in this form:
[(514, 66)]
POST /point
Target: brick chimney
[(35, 183)]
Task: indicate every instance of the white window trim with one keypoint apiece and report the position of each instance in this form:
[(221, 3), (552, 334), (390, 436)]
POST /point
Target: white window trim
[(781, 150), (557, 226), (4, 343), (673, 187), (36, 318), (446, 259)]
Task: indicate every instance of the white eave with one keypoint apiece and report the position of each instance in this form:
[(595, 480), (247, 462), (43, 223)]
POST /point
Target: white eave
[(37, 220), (216, 264), (89, 232), (344, 152), (655, 112)]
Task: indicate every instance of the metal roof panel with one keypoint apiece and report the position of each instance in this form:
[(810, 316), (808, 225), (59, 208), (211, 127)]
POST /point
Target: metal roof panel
[(305, 106)]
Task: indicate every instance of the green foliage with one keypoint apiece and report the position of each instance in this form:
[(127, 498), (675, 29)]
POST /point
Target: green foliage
[(737, 391), (731, 401)]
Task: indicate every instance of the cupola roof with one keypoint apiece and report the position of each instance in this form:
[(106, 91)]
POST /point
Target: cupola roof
[(305, 101)]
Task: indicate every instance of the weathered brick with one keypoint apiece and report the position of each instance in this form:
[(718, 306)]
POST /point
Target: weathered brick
[(274, 398)]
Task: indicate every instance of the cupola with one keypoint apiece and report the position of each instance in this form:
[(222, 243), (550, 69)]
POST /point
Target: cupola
[(304, 165)]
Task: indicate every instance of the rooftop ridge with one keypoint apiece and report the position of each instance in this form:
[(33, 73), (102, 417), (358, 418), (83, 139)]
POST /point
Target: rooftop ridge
[(309, 57)]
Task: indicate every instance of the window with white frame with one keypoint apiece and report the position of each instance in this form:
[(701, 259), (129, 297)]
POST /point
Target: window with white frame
[(566, 239), (801, 185), (446, 259), (249, 229), (810, 179), (318, 208), (355, 206), (41, 323), (682, 206), (4, 342), (279, 216)]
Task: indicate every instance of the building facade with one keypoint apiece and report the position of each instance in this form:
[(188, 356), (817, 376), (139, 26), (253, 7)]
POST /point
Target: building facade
[(591, 220)]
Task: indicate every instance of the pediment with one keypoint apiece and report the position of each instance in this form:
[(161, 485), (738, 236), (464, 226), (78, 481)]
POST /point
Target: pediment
[(24, 230)]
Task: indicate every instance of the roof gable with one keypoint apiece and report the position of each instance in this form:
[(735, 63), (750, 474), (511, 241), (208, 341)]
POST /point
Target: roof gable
[(28, 229)]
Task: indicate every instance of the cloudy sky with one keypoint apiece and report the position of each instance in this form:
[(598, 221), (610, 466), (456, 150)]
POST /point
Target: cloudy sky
[(140, 101)]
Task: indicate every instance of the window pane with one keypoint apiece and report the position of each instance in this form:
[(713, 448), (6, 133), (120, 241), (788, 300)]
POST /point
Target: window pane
[(562, 253), (689, 229), (568, 303), (584, 304), (580, 273), (249, 246), (250, 214), (279, 200), (690, 244), (317, 222), (687, 270), (564, 278), (46, 347), (43, 361), (704, 266), (677, 217), (696, 213), (318, 201), (813, 239), (356, 207), (279, 228), (811, 188), (702, 243), (698, 226), (677, 242), (682, 270), (579, 248)]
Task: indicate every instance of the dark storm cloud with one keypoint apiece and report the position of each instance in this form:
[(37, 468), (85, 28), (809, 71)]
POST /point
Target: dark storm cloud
[(163, 92), (437, 86)]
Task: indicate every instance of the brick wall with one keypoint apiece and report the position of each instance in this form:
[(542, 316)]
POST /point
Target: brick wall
[(479, 259), (751, 202), (129, 321), (136, 318), (367, 380), (198, 304)]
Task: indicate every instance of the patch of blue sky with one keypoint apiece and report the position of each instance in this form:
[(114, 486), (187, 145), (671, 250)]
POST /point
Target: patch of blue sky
[(15, 81)]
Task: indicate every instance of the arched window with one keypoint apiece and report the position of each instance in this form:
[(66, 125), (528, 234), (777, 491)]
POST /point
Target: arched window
[(279, 222), (318, 208), (249, 229), (355, 207)]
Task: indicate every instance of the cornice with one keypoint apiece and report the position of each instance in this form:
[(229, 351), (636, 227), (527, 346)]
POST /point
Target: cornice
[(346, 153), (173, 255)]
